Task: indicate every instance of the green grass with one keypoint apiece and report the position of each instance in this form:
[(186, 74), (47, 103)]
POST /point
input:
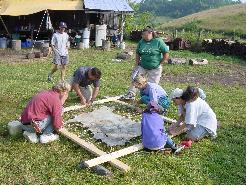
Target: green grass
[(227, 19), (220, 161)]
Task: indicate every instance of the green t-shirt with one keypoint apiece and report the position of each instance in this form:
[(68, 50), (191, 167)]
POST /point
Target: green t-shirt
[(150, 52)]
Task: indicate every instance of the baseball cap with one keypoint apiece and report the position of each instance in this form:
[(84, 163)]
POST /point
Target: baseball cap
[(62, 25), (176, 93)]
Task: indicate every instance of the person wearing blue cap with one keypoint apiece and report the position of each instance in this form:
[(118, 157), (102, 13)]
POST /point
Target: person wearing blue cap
[(60, 44)]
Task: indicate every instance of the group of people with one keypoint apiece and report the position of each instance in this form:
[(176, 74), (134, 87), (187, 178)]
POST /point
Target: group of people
[(196, 118), (42, 117)]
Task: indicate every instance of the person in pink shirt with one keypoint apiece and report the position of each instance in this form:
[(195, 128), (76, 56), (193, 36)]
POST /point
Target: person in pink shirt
[(43, 114)]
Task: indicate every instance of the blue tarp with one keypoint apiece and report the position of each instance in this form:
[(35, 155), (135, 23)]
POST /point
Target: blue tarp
[(108, 5)]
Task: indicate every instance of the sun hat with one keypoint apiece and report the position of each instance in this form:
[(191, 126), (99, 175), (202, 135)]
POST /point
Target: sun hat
[(62, 25), (176, 93)]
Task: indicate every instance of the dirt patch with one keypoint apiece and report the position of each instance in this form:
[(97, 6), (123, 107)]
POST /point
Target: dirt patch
[(8, 55), (235, 75), (12, 56)]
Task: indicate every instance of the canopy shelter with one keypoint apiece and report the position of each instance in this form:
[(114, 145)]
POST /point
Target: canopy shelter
[(22, 19), (26, 7)]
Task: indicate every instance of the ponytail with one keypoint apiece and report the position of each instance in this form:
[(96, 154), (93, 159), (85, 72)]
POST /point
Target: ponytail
[(190, 94)]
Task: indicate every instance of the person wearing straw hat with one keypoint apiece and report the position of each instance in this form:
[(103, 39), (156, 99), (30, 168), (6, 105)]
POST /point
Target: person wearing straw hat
[(43, 114), (60, 44)]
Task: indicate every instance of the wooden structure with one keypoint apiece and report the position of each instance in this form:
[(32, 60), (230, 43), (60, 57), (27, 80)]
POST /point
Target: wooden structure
[(103, 156), (22, 19)]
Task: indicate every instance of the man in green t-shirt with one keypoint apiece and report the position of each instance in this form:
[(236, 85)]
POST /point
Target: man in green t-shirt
[(151, 53)]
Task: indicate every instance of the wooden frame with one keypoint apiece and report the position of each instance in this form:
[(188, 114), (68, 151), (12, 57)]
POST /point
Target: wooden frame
[(103, 156), (93, 149)]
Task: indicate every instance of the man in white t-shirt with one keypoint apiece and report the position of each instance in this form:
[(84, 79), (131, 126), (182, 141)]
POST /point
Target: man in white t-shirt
[(59, 44)]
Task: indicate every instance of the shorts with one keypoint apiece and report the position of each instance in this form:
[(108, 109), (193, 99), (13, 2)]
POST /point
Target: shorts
[(60, 60)]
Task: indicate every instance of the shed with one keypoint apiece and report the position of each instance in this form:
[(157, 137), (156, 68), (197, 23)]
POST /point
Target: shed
[(26, 17)]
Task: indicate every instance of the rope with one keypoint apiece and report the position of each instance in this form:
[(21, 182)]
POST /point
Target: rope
[(5, 26), (45, 12)]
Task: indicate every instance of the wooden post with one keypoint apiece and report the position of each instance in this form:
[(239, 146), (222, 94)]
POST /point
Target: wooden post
[(122, 27), (176, 33)]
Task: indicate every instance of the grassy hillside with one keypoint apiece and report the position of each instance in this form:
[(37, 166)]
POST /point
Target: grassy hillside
[(226, 19)]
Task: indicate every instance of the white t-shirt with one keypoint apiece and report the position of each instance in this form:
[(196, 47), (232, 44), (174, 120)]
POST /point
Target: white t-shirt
[(60, 41), (199, 112)]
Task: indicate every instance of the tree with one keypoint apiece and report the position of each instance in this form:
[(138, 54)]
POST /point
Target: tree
[(180, 8)]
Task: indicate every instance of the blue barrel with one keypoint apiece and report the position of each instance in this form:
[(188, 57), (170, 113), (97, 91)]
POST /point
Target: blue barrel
[(3, 43)]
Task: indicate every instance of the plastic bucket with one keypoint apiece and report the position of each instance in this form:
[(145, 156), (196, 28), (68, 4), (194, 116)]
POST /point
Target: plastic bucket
[(3, 43), (101, 33), (16, 45), (86, 38), (106, 45)]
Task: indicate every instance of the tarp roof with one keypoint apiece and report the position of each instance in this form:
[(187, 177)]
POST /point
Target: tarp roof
[(108, 5), (26, 7)]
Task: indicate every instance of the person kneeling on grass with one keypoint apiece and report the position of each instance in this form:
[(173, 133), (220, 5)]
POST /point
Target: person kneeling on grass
[(197, 119), (43, 114), (152, 92), (154, 136), (81, 82)]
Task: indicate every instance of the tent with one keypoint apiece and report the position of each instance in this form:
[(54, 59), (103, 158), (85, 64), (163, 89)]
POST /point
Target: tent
[(26, 7)]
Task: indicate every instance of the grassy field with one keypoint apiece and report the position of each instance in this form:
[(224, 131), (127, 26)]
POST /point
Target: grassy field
[(227, 19), (220, 161)]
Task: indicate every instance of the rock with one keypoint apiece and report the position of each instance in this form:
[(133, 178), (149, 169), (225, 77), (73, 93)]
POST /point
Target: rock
[(30, 55), (123, 56), (177, 61), (198, 61), (38, 54), (15, 128), (45, 51)]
